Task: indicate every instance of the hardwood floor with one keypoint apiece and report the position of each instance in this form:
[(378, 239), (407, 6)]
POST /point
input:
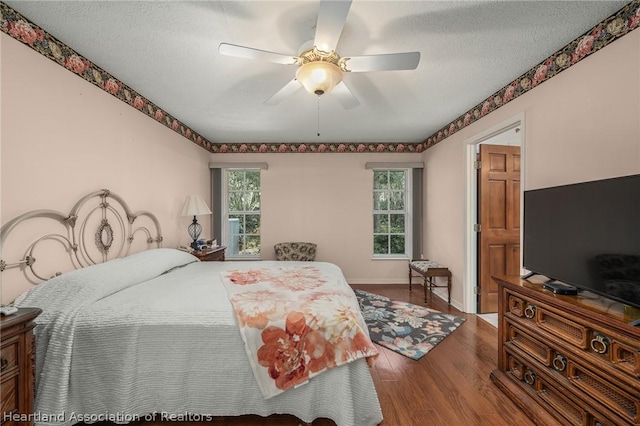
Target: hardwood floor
[(449, 386)]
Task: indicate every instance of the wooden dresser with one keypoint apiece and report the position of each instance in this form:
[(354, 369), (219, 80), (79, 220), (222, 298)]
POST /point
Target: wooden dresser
[(570, 360), (17, 365)]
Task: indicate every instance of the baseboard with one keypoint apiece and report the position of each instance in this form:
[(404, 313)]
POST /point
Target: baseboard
[(442, 294), (439, 292), (389, 281)]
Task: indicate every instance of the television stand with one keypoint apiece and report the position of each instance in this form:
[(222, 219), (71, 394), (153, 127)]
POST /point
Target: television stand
[(567, 360)]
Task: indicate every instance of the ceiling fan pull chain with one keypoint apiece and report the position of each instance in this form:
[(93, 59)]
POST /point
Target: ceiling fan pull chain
[(318, 116)]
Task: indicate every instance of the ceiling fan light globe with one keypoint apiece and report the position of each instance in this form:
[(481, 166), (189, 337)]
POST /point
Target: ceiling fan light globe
[(319, 77)]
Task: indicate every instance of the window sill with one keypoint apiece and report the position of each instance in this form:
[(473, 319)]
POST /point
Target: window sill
[(240, 258), (402, 257)]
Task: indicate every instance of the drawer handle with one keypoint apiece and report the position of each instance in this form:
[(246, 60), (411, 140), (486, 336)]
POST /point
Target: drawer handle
[(530, 377), (530, 311), (4, 363), (600, 344), (560, 363)]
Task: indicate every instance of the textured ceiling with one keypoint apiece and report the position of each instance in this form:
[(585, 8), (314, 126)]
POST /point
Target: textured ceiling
[(167, 52)]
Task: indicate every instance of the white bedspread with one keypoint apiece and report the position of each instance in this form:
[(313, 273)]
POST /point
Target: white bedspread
[(121, 340)]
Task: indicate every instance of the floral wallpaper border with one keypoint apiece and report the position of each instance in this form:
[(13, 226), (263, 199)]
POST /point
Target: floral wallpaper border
[(607, 31)]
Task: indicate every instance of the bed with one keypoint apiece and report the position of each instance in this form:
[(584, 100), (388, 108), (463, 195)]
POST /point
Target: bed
[(155, 335)]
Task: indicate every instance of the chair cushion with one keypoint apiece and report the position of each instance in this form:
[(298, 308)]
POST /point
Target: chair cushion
[(424, 265), (295, 251)]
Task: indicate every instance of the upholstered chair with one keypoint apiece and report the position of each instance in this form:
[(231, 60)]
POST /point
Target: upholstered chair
[(295, 251)]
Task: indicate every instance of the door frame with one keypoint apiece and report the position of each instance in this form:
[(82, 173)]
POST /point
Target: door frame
[(470, 279)]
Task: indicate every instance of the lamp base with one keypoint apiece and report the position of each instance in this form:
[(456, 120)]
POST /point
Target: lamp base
[(194, 232)]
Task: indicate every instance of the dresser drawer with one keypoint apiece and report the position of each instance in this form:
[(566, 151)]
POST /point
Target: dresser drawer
[(566, 406), (9, 392), (620, 354), (557, 404), (627, 403), (626, 358), (592, 342), (9, 355), (528, 344), (539, 316), (563, 328), (561, 404), (616, 395)]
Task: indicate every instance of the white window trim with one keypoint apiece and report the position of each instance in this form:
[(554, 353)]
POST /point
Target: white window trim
[(239, 166), (408, 226), (225, 208)]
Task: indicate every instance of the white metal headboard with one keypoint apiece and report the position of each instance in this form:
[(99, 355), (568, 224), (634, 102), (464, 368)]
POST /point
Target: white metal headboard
[(104, 214)]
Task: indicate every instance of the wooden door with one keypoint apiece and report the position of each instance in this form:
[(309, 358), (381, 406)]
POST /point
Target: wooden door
[(499, 219)]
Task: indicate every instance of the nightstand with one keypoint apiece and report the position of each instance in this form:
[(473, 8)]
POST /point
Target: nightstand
[(17, 366), (211, 255)]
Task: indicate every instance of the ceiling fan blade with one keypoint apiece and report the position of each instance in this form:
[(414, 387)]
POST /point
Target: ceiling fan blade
[(289, 89), (331, 18), (385, 62), (251, 53), (345, 96)]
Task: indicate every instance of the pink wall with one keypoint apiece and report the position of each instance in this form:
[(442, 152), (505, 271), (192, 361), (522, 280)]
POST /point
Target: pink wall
[(326, 199), (62, 138), (580, 125)]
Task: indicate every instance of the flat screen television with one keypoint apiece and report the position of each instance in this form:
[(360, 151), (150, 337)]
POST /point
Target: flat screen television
[(586, 235)]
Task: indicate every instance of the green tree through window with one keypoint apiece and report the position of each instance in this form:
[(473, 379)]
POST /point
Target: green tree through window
[(243, 212), (389, 212)]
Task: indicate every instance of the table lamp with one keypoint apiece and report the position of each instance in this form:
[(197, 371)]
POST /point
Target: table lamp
[(194, 206)]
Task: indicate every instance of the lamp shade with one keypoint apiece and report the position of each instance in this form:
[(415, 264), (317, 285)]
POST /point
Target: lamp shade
[(194, 206), (319, 77)]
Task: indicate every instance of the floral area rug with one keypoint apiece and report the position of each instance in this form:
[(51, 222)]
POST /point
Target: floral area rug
[(408, 329)]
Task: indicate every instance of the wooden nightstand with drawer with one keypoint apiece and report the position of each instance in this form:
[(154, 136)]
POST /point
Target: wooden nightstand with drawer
[(17, 366), (211, 255)]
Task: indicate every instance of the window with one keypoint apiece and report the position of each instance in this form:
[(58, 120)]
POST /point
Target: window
[(391, 218), (242, 212)]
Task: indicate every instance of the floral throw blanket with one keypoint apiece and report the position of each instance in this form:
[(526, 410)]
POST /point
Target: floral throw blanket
[(296, 322)]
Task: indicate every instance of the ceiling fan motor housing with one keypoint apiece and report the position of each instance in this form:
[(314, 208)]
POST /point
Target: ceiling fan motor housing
[(319, 71)]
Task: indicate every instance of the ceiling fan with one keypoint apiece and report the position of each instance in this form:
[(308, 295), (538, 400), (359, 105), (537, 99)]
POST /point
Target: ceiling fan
[(320, 68)]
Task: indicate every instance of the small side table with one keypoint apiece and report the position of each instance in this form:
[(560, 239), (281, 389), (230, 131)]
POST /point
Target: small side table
[(429, 270), (211, 255), (17, 365)]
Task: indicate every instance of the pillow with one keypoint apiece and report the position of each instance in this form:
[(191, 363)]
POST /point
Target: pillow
[(80, 287), (162, 258)]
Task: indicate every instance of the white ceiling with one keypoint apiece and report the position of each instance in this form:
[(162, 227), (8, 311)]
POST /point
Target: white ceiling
[(168, 52)]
